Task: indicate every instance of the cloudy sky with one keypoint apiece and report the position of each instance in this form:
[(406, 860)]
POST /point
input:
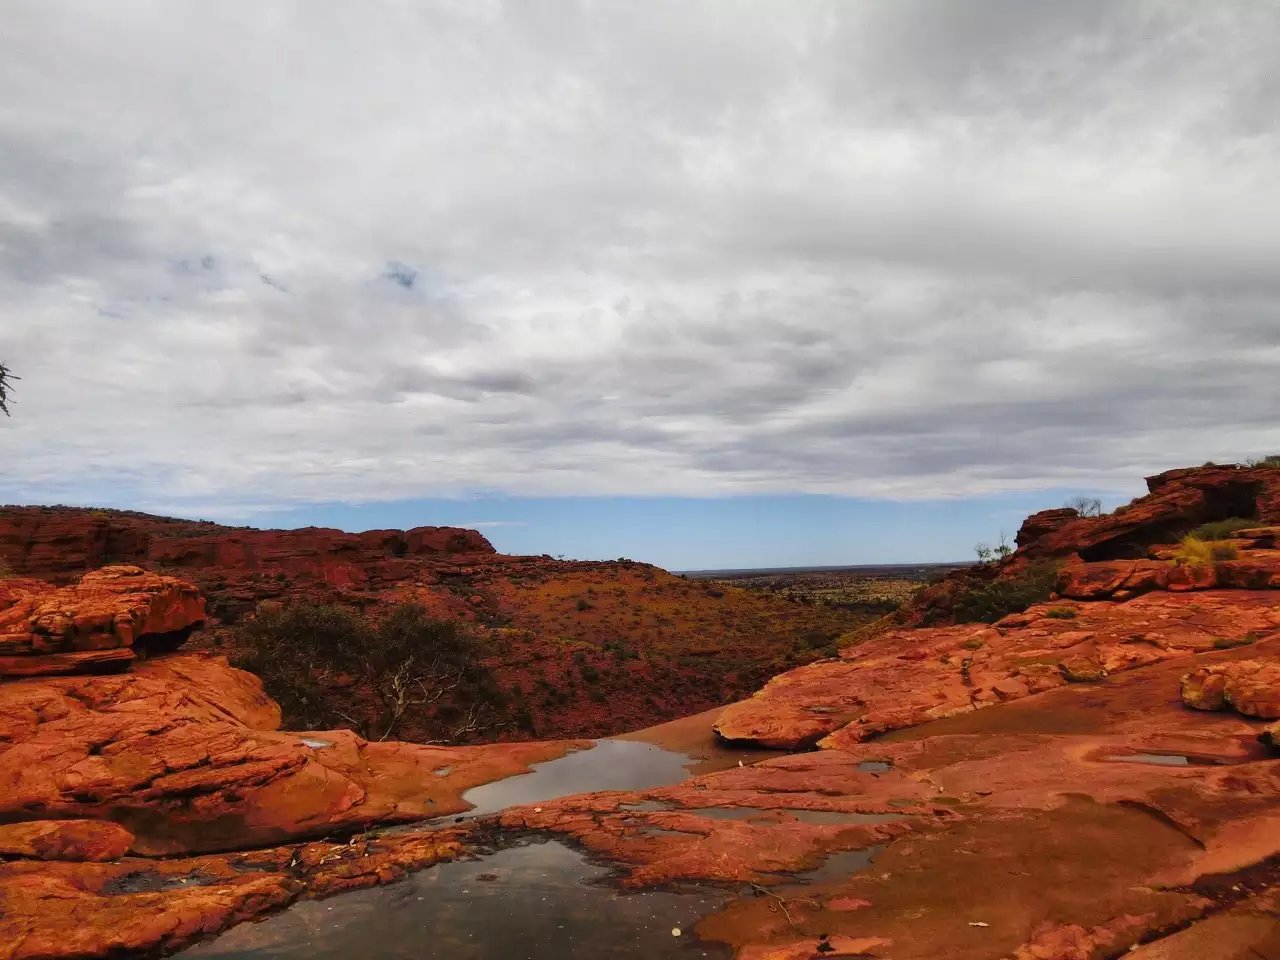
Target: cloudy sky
[(741, 273)]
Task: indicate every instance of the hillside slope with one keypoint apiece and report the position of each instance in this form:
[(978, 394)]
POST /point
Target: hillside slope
[(579, 648)]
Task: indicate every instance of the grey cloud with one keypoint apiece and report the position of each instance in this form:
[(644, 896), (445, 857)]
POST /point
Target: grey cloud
[(911, 248)]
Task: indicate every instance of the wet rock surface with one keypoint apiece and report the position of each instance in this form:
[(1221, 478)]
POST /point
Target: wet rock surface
[(1086, 779)]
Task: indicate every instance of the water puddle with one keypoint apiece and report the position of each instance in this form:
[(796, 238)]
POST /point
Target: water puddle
[(1159, 759), (532, 902), (840, 866), (875, 766), (315, 743), (609, 765)]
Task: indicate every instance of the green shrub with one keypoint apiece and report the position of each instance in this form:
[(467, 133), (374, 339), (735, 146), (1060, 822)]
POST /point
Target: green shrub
[(402, 667), (1061, 613), (986, 601), (1219, 529)]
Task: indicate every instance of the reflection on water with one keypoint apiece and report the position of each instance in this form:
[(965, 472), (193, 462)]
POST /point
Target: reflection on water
[(1159, 759), (534, 902), (875, 766), (842, 865), (609, 765)]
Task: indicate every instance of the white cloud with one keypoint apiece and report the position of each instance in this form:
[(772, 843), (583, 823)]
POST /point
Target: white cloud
[(270, 254)]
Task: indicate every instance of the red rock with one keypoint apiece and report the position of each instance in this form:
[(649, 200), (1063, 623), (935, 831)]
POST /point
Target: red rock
[(87, 910), (65, 840), (1178, 501), (97, 621), (1044, 523), (183, 752), (905, 677), (57, 542), (1251, 687)]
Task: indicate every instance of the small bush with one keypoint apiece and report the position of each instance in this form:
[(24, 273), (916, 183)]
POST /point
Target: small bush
[(1192, 552), (1061, 613), (1219, 529), (987, 601), (410, 668)]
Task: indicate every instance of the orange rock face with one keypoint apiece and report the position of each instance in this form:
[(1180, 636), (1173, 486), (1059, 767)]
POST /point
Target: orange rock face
[(76, 840), (906, 677), (1178, 501), (95, 622), (184, 753), (61, 542)]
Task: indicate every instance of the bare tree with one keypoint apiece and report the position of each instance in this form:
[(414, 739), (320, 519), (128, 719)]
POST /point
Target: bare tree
[(988, 554), (1085, 506), (404, 668), (6, 386)]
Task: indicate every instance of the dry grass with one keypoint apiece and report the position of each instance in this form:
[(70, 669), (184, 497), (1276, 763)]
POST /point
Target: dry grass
[(1194, 552)]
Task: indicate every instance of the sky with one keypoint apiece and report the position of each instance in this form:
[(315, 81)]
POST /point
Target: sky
[(708, 284)]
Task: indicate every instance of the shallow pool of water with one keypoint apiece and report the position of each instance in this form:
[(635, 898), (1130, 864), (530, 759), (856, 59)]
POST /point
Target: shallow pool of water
[(842, 865), (1159, 759), (539, 901), (609, 765)]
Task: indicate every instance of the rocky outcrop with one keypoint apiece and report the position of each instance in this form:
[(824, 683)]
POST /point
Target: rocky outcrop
[(1250, 687), (184, 753), (58, 543), (102, 621), (1124, 579), (906, 677), (140, 907), (1178, 501), (181, 759)]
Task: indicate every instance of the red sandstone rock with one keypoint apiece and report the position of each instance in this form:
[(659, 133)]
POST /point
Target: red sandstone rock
[(906, 677), (80, 840), (45, 629), (183, 752), (137, 907), (1178, 501), (58, 542), (1251, 687)]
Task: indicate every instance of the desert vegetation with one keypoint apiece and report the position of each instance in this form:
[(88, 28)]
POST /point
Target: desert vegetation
[(329, 666), (1085, 506), (1195, 552)]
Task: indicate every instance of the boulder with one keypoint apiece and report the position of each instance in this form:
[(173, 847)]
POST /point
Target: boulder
[(1250, 687), (95, 623)]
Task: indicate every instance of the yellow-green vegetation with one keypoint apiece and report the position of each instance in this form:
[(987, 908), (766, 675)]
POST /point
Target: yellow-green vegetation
[(1193, 552), (1220, 529), (1061, 613)]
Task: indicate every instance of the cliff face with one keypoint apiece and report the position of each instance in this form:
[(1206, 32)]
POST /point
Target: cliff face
[(1135, 539), (58, 543), (579, 648), (1178, 501)]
